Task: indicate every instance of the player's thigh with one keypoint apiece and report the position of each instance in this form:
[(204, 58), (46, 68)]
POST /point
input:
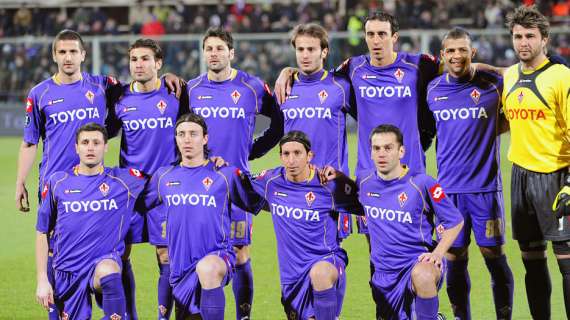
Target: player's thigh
[(464, 236), (73, 295), (487, 214)]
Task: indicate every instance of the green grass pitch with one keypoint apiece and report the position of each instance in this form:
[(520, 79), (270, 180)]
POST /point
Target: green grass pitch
[(18, 279)]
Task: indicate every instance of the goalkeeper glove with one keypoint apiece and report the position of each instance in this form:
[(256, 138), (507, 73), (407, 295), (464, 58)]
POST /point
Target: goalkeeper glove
[(561, 203)]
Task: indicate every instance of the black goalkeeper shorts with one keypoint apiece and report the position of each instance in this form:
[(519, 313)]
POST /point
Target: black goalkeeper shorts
[(532, 195)]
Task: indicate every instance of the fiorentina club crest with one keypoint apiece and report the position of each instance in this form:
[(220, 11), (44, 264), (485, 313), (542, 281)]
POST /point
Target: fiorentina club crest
[(89, 95), (475, 95), (520, 97), (310, 197), (207, 182), (402, 198), (104, 188), (115, 316), (162, 309), (323, 96), (440, 229), (161, 105), (235, 96), (399, 74), (64, 316)]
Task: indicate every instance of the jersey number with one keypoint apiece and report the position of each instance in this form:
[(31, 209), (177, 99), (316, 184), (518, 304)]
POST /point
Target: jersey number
[(494, 228), (237, 230), (163, 233)]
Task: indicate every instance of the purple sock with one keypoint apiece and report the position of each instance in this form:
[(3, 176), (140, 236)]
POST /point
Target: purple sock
[(128, 278), (426, 308), (53, 313), (113, 296), (212, 304), (164, 292), (325, 304), (242, 287), (503, 285), (458, 288)]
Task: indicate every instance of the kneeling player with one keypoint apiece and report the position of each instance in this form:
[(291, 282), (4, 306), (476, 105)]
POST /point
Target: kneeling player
[(197, 202), (87, 208), (400, 209), (305, 213)]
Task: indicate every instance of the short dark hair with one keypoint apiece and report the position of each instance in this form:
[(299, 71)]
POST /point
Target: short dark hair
[(218, 32), (528, 17), (90, 127), (296, 136), (388, 128), (384, 16), (149, 44), (67, 34), (197, 119), (312, 30), (456, 33)]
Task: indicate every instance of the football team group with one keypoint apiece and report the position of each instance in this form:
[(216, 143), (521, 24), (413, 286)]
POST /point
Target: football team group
[(184, 184)]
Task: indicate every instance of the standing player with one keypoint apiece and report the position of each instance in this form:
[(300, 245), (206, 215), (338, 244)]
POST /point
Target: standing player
[(304, 211), (55, 109), (469, 120), (87, 208), (536, 103), (318, 104), (403, 209), (197, 199), (146, 113), (229, 100)]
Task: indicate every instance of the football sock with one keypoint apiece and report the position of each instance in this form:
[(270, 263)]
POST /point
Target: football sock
[(564, 266), (212, 304), (113, 296), (426, 308), (538, 288), (458, 288), (128, 278), (325, 304), (502, 284), (242, 287), (165, 299)]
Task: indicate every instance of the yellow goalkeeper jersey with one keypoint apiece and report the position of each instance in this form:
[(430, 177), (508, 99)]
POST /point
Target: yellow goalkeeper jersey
[(536, 103)]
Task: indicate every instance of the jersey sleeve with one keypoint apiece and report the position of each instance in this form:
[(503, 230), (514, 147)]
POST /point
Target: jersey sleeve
[(343, 70), (47, 211), (447, 215), (269, 108), (563, 99), (242, 192), (345, 194), (35, 122), (150, 196), (184, 102), (429, 68)]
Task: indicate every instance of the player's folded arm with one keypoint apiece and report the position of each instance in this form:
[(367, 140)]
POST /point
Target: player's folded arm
[(243, 194), (270, 136)]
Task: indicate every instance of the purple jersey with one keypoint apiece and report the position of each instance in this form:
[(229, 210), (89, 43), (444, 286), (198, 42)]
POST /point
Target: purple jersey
[(467, 115), (305, 219), (89, 215), (229, 108), (393, 94), (54, 112), (147, 120), (317, 105), (197, 201), (400, 215)]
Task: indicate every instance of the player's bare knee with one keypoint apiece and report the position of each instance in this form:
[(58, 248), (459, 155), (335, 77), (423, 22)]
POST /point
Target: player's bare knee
[(323, 275), (162, 255), (211, 271), (242, 254), (457, 253), (104, 268), (493, 252), (424, 279)]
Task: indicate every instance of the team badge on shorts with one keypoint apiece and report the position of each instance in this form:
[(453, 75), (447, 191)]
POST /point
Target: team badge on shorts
[(89, 95), (323, 95), (161, 105), (235, 96), (104, 188), (399, 74), (402, 198), (207, 182), (115, 316), (310, 198), (475, 95)]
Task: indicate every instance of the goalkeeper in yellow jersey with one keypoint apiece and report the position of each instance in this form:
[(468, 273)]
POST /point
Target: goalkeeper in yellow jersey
[(536, 103)]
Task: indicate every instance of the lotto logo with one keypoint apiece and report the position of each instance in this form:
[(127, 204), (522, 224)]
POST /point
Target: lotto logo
[(44, 191), (437, 193), (135, 173), (29, 105)]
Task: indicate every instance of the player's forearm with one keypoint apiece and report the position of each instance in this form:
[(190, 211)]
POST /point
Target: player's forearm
[(41, 256), (270, 137), (26, 159), (447, 239)]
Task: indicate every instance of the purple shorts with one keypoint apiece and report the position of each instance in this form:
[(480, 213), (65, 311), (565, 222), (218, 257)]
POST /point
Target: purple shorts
[(297, 297), (187, 290), (137, 229), (362, 224), (484, 214), (73, 290), (241, 227), (156, 224), (344, 225), (393, 292)]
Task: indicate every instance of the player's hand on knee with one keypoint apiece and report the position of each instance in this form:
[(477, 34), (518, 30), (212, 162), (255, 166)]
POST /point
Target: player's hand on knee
[(283, 84), (44, 294), (561, 205), (22, 202), (219, 161), (432, 257)]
